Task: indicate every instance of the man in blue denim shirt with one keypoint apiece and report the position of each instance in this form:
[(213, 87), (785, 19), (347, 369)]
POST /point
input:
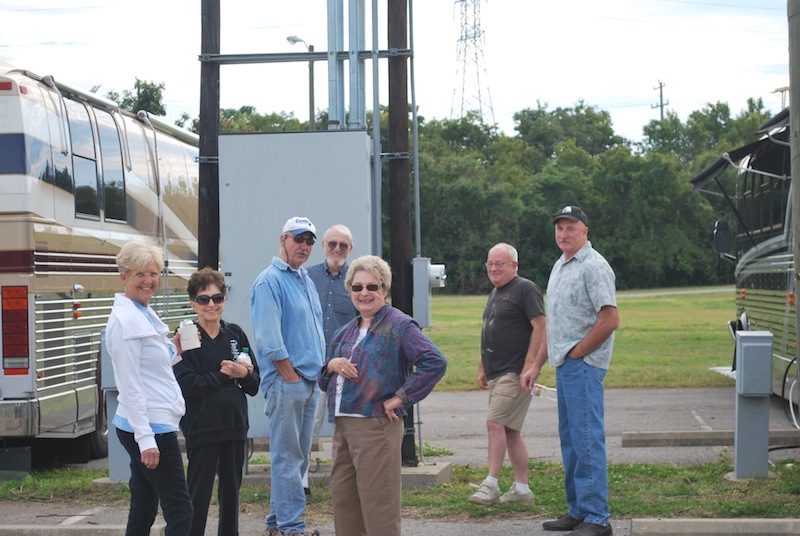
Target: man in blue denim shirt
[(290, 345), (581, 319)]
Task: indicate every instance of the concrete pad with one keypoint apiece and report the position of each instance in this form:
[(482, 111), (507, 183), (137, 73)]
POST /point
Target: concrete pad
[(413, 477), (427, 475)]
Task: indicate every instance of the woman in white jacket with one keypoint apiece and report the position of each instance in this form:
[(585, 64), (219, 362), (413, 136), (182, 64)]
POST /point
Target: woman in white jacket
[(150, 400)]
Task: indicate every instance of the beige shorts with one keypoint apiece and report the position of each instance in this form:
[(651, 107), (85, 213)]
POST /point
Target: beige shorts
[(508, 401)]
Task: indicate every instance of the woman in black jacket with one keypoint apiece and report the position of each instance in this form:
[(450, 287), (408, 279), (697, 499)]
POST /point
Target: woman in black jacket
[(214, 379)]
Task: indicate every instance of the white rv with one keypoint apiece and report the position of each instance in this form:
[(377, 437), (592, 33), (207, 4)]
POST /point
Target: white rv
[(78, 179)]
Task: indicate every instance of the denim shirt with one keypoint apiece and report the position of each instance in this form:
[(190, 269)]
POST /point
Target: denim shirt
[(576, 291), (393, 343), (287, 322)]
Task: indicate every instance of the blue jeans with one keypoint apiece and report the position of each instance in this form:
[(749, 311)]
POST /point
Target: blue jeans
[(581, 428), (290, 408), (166, 483)]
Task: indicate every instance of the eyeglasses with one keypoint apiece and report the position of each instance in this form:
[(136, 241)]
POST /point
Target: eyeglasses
[(300, 239), (372, 287), (499, 264), (341, 245), (203, 299)]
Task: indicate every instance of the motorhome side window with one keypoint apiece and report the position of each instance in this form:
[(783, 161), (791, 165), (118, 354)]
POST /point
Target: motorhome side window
[(113, 179), (764, 195), (84, 160)]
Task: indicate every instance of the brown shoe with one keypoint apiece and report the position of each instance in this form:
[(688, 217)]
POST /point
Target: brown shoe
[(592, 529), (565, 522)]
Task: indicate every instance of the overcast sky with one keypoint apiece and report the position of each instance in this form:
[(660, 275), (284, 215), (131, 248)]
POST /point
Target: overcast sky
[(611, 54)]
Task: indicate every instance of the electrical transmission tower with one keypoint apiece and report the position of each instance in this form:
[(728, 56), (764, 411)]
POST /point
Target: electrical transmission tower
[(471, 93)]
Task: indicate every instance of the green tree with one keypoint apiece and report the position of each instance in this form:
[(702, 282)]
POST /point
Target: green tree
[(589, 127), (247, 119), (147, 96)]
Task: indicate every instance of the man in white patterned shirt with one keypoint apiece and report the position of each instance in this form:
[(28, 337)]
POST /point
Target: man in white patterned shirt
[(581, 319)]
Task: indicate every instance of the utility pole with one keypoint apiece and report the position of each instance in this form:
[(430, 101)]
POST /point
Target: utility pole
[(400, 185), (661, 103), (208, 196)]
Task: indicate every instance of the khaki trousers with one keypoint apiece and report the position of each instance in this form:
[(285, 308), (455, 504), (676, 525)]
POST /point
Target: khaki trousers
[(366, 477)]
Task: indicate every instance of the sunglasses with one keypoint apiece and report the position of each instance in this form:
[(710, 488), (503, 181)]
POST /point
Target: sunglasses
[(203, 299), (341, 245), (372, 287), (300, 239)]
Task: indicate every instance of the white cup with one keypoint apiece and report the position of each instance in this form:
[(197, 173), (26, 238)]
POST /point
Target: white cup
[(190, 336)]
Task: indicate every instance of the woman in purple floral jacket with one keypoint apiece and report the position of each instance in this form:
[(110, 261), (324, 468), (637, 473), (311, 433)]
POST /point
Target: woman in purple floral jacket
[(377, 365)]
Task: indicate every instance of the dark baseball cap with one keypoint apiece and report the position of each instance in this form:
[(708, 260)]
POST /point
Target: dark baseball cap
[(573, 213)]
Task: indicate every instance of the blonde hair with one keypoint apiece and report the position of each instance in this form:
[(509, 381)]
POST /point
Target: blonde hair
[(372, 265), (136, 255)]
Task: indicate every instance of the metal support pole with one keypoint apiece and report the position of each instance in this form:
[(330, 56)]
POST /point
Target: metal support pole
[(312, 122)]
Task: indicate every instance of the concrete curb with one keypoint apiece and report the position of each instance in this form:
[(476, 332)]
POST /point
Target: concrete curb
[(714, 527), (96, 530)]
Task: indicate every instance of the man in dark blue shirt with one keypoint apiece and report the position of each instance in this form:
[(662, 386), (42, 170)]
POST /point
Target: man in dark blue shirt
[(337, 307)]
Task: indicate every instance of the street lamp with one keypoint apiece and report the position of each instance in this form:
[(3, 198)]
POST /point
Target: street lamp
[(293, 39)]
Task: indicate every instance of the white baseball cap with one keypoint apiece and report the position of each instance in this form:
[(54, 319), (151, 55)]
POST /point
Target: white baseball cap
[(299, 225)]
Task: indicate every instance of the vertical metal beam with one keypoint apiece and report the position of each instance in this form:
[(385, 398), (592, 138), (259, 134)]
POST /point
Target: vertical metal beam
[(377, 170), (208, 197), (336, 113), (356, 119), (793, 13)]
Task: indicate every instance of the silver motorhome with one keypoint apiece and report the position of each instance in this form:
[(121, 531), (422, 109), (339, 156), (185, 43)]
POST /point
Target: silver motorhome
[(78, 179), (760, 243)]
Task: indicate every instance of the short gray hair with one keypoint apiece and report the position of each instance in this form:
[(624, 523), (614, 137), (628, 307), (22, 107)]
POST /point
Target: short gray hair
[(338, 228), (511, 250)]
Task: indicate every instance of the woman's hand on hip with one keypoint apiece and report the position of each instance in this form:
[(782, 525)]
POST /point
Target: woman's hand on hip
[(389, 407)]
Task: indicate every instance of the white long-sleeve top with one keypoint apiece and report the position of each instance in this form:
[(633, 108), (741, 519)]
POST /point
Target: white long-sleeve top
[(141, 357)]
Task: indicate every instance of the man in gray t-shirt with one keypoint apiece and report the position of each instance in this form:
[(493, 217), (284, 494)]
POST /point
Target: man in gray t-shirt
[(512, 340)]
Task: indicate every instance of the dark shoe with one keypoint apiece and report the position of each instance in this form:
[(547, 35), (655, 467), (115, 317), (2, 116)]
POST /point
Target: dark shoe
[(307, 491), (592, 529), (564, 522)]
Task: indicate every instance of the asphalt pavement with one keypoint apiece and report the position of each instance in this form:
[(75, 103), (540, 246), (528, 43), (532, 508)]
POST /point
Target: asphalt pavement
[(456, 421)]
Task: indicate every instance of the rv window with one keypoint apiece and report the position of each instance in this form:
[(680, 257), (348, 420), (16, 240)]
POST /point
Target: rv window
[(87, 195), (113, 180)]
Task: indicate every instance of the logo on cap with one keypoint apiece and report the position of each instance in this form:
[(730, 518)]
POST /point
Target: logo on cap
[(571, 212)]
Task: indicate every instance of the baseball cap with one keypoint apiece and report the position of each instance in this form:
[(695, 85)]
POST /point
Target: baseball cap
[(573, 213), (299, 225)]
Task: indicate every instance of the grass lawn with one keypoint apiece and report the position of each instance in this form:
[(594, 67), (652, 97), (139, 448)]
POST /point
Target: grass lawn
[(664, 340)]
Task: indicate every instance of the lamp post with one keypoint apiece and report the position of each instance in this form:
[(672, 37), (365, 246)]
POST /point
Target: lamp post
[(293, 39)]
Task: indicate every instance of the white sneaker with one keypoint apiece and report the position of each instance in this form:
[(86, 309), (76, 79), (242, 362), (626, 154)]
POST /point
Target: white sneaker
[(486, 495), (515, 496)]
